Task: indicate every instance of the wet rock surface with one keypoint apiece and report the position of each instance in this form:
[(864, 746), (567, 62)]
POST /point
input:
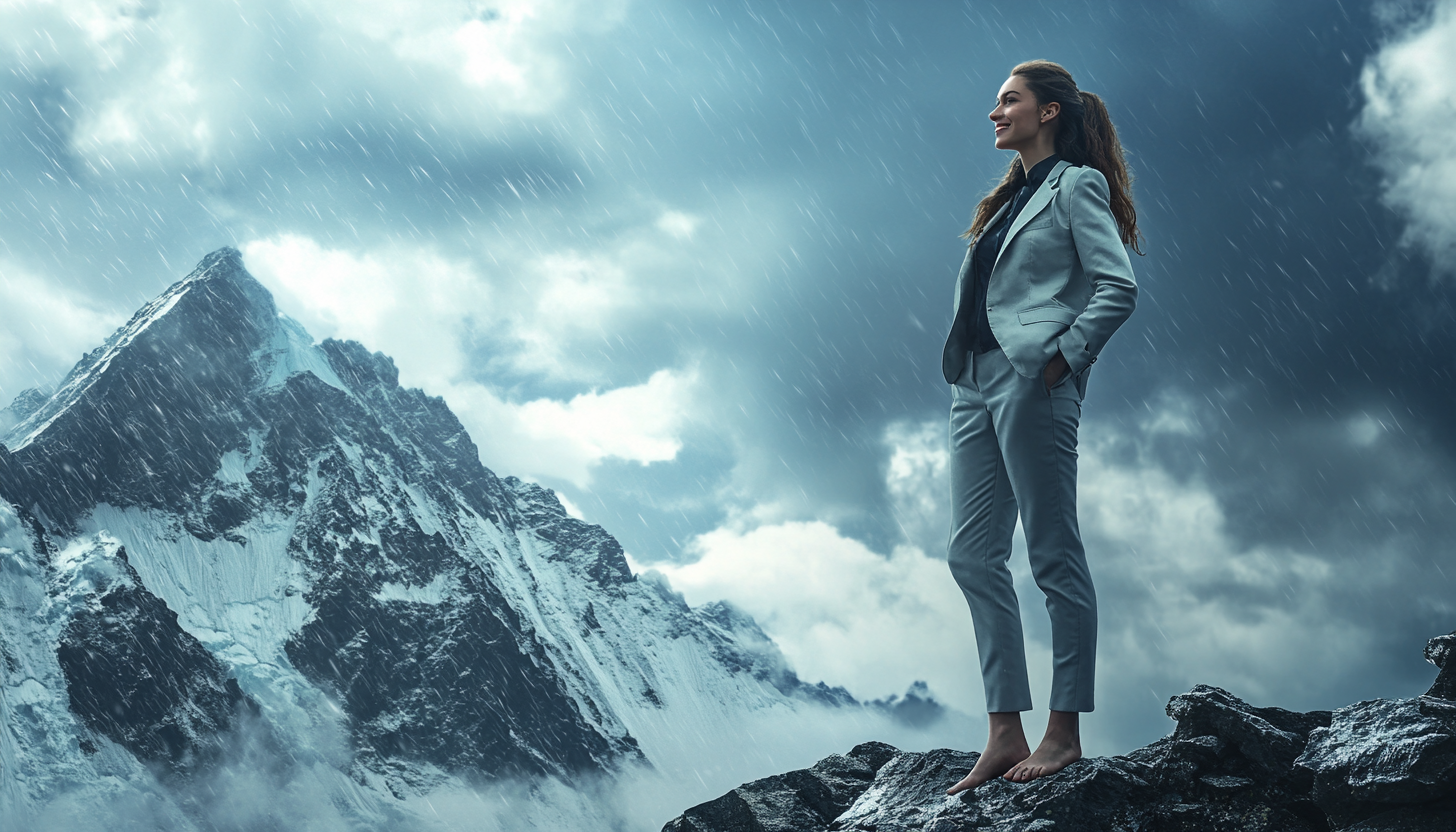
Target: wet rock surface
[(1383, 754), (1378, 766), (809, 798)]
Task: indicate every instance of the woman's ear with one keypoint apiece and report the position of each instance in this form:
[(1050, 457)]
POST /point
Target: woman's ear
[(1050, 111)]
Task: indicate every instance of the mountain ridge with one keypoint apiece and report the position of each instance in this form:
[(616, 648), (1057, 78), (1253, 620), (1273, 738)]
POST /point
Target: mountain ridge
[(333, 541)]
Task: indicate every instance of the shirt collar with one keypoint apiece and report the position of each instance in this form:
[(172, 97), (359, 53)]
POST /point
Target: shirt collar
[(1039, 171)]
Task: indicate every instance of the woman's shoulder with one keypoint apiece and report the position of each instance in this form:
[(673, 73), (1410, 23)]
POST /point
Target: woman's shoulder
[(1086, 184), (1085, 176)]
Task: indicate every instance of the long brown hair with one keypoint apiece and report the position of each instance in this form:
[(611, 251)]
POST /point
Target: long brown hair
[(1085, 136)]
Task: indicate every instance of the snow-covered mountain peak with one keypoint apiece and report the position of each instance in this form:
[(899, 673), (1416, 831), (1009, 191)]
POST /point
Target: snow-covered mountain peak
[(228, 516), (219, 302)]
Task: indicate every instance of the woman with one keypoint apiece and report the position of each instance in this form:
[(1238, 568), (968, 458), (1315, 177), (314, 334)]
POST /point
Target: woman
[(1045, 283)]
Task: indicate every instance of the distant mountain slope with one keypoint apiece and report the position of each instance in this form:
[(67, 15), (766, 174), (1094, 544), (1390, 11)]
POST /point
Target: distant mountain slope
[(321, 553)]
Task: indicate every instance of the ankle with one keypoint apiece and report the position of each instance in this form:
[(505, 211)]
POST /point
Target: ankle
[(1064, 728)]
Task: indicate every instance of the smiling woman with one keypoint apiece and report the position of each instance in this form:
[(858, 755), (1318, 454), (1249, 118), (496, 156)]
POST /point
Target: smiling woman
[(1045, 283)]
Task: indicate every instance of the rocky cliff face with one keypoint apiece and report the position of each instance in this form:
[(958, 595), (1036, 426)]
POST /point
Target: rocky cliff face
[(161, 696), (1377, 766), (214, 521)]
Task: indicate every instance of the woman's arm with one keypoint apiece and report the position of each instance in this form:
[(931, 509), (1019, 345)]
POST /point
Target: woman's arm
[(1105, 264)]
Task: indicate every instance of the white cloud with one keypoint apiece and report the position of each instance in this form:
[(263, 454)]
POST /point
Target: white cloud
[(572, 297), (841, 612), (409, 303), (639, 423), (152, 83), (44, 330), (1192, 603), (510, 50), (566, 440), (678, 224), (1410, 114), (423, 310), (918, 480)]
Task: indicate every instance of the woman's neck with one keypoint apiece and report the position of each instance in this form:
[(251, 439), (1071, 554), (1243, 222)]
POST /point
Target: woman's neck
[(1039, 146), (1030, 157)]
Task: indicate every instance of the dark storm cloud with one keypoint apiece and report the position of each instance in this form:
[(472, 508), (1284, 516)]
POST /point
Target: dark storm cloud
[(1274, 296), (830, 155)]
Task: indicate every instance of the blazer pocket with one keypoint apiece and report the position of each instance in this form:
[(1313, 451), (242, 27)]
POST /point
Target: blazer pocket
[(1043, 222), (1047, 314)]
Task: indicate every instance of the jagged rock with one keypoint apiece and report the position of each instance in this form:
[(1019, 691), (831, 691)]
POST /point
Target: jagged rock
[(1269, 738), (1228, 767), (1438, 653), (909, 793), (598, 553), (805, 799), (1383, 753), (1377, 766)]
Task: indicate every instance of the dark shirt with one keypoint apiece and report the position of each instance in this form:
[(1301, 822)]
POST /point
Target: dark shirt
[(976, 332)]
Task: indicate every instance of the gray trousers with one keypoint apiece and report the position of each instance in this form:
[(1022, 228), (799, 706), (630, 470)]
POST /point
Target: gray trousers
[(1013, 446)]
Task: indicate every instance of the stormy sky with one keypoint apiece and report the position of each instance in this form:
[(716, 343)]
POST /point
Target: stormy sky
[(691, 265)]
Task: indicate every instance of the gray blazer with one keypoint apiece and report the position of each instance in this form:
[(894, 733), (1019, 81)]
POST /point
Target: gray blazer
[(1062, 280)]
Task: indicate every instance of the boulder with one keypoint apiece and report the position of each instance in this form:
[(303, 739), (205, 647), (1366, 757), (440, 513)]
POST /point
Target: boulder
[(1383, 754)]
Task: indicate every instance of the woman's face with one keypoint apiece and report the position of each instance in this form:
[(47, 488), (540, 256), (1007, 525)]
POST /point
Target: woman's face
[(1018, 117)]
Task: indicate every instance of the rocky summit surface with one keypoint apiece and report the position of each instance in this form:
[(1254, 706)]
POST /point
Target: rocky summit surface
[(1378, 766)]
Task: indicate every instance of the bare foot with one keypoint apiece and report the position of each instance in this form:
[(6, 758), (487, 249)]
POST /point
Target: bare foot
[(1061, 747), (1005, 747)]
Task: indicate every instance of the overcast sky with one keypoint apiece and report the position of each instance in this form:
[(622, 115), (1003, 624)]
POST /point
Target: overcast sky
[(691, 265)]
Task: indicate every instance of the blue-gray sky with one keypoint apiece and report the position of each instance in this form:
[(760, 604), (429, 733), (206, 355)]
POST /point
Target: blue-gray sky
[(691, 265)]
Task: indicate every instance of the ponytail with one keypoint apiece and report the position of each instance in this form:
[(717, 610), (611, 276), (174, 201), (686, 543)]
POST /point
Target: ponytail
[(1085, 136), (1103, 151)]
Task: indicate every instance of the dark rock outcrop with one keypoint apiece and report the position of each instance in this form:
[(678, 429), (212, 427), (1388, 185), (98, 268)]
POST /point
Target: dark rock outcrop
[(1378, 766), (809, 798), (1438, 653)]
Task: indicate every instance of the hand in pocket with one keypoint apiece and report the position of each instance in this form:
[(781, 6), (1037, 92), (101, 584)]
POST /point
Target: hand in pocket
[(1055, 369)]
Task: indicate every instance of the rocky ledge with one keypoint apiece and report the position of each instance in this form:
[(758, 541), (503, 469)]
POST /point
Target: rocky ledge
[(1378, 766)]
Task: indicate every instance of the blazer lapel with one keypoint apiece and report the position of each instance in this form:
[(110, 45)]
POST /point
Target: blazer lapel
[(1039, 200)]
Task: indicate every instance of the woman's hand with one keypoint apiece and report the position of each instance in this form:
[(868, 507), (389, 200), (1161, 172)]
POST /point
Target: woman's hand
[(1054, 370)]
